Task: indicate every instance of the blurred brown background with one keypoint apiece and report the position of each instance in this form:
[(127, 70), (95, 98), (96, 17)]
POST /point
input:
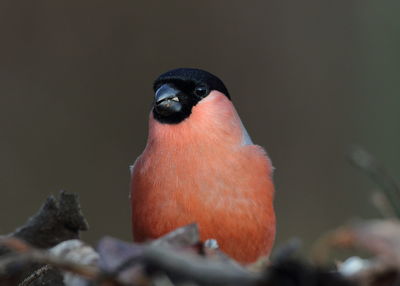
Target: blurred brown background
[(309, 79)]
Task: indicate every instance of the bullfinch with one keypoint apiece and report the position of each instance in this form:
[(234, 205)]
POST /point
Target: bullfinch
[(200, 165)]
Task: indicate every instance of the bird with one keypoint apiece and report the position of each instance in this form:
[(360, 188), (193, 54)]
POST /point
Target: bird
[(201, 166)]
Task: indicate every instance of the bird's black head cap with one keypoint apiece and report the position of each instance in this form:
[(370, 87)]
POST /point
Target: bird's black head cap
[(178, 90)]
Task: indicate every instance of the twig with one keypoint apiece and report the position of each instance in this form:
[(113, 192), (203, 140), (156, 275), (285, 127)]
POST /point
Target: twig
[(36, 274), (167, 260), (367, 163), (192, 268), (382, 204), (25, 253), (42, 257)]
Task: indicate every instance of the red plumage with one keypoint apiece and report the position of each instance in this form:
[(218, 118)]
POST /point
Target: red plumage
[(201, 170)]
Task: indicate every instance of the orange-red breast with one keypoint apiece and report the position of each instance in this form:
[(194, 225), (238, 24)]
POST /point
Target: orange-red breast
[(200, 165)]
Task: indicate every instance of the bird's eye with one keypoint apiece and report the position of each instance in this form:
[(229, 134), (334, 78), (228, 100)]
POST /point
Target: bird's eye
[(201, 90)]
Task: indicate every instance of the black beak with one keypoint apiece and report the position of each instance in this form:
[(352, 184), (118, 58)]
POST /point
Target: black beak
[(166, 100)]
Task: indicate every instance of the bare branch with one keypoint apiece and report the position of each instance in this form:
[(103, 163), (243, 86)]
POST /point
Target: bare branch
[(39, 272)]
